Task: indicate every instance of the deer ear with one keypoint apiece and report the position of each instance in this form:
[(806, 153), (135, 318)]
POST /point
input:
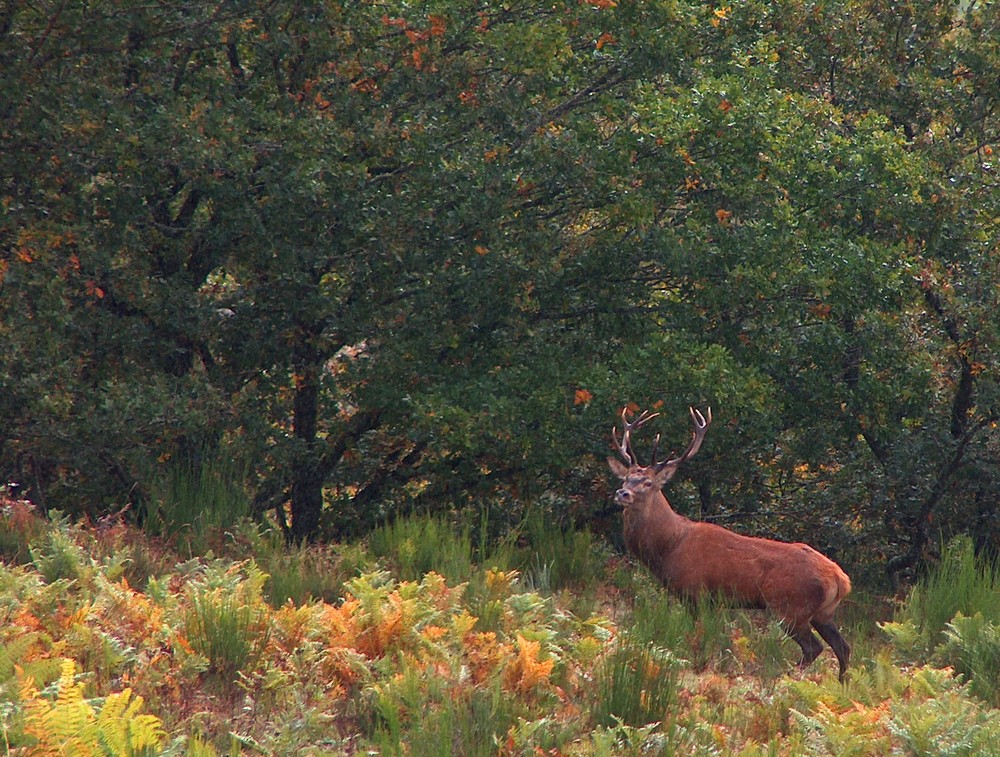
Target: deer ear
[(665, 475), (618, 468)]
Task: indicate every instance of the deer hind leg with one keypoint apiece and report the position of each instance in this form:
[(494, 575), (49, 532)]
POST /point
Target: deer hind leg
[(811, 646), (840, 647)]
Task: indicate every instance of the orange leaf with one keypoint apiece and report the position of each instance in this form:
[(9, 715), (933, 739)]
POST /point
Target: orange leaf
[(527, 671), (582, 397), (438, 25)]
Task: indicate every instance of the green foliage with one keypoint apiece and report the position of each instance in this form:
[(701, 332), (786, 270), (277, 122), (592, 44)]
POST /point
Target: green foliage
[(950, 618), (418, 718), (301, 574), (926, 711), (440, 667), (972, 646), (557, 557), (412, 257), (699, 631), (57, 556), (963, 582)]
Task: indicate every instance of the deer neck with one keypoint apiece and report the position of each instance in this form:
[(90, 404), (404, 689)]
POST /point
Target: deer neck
[(653, 527)]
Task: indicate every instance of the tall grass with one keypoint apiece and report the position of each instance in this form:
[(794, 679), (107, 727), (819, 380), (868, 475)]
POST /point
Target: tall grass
[(557, 558), (699, 630), (418, 544), (952, 618), (962, 583), (226, 621), (426, 717), (229, 633), (636, 684), (197, 497), (314, 572)]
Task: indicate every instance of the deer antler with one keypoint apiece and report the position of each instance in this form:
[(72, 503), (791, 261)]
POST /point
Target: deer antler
[(697, 437), (625, 445)]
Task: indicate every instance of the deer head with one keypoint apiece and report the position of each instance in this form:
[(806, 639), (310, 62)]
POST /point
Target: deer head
[(652, 477)]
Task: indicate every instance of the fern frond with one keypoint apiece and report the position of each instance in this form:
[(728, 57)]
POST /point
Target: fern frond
[(124, 731)]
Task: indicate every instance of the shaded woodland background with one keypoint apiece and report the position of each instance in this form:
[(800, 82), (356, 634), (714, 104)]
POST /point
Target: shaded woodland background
[(367, 258)]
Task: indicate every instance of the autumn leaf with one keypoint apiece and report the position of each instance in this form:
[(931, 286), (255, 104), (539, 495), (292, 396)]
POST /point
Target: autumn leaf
[(821, 310), (526, 672), (720, 14), (438, 25), (582, 397), (723, 216)]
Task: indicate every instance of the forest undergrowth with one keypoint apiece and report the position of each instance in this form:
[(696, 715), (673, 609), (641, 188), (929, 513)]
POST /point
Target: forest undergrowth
[(430, 638)]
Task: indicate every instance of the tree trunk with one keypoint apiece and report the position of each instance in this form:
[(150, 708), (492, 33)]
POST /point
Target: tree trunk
[(307, 480)]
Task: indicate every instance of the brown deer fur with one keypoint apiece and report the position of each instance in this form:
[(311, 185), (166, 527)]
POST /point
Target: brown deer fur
[(794, 581)]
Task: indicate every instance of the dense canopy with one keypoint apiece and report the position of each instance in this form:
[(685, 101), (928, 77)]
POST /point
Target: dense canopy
[(376, 256)]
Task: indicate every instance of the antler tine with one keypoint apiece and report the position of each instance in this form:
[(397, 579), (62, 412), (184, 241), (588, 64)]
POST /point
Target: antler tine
[(656, 448), (701, 423), (625, 445)]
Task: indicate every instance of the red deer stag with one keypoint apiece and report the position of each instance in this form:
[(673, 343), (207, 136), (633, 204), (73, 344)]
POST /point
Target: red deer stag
[(794, 581)]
